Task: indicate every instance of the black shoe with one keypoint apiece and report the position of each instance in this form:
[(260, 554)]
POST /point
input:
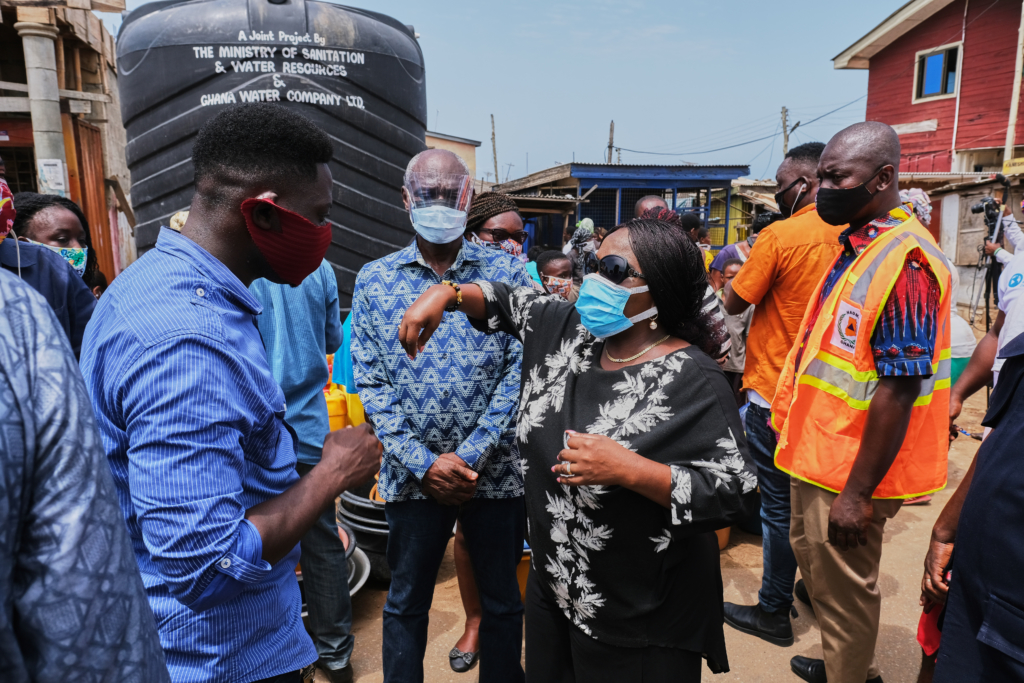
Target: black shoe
[(813, 670), (800, 591), (342, 675), (461, 662), (773, 627)]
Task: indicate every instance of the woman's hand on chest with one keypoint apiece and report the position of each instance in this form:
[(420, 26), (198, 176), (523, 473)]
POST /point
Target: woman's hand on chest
[(595, 460)]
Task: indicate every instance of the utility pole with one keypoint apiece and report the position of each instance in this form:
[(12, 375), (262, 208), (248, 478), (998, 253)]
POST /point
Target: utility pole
[(494, 149), (611, 141), (786, 130)]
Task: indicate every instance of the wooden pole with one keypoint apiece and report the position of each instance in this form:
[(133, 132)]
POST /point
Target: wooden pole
[(785, 131), (494, 150), (61, 76), (1011, 129), (611, 141), (77, 59)]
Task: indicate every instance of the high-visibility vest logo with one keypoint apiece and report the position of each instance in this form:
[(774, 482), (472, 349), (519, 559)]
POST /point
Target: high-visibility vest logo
[(844, 334)]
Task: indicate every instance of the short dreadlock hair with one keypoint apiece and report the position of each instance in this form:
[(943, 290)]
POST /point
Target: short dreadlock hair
[(259, 142), (28, 204), (486, 206)]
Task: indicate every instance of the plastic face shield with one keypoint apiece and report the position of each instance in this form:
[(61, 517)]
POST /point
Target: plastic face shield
[(451, 190)]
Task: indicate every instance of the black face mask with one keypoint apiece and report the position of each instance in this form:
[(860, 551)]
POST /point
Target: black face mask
[(838, 205), (785, 210)]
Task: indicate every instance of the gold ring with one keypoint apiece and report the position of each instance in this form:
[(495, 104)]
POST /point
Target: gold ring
[(568, 469)]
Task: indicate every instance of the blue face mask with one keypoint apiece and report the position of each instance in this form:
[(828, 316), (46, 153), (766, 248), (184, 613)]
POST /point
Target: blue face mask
[(439, 224), (601, 305)]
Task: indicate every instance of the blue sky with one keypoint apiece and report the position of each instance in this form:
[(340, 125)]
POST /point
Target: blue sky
[(676, 76)]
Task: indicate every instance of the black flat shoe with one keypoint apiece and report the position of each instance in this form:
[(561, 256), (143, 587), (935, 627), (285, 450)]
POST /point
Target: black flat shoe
[(813, 670), (800, 591), (461, 662), (773, 627)]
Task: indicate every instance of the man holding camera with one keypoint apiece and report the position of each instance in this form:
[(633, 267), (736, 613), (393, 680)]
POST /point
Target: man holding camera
[(780, 276)]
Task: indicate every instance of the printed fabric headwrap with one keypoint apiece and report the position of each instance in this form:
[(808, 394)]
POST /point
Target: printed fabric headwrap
[(920, 203), (7, 212)]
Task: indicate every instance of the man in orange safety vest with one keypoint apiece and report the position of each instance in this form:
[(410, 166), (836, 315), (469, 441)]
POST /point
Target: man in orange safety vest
[(862, 402)]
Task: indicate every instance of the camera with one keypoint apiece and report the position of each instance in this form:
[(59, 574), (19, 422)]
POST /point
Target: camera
[(763, 220), (986, 203)]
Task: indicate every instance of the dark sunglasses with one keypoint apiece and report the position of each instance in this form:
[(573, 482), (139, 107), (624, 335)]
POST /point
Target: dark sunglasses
[(502, 235), (613, 268)]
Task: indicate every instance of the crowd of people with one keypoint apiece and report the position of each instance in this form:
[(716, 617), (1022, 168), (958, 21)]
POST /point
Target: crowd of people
[(611, 403)]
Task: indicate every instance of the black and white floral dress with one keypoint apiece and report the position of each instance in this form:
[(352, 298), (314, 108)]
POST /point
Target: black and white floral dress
[(625, 570)]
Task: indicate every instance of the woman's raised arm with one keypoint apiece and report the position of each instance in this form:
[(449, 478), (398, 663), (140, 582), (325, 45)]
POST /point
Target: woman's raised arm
[(424, 316)]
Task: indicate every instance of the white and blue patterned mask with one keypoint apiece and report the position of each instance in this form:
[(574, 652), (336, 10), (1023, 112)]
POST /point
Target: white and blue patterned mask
[(601, 304), (439, 224)]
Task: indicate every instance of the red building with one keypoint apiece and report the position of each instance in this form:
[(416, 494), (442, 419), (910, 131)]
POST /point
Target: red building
[(946, 75)]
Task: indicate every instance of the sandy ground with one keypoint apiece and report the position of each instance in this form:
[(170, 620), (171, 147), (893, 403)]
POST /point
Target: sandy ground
[(752, 660)]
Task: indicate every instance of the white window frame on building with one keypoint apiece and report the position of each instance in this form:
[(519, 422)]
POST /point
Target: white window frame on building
[(919, 58)]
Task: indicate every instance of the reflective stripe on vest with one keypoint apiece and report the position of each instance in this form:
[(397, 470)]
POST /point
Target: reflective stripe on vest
[(839, 378)]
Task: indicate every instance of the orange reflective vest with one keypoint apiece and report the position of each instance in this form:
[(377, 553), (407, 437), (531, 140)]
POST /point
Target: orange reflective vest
[(821, 407)]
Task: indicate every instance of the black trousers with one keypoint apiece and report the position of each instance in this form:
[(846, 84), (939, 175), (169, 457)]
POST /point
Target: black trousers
[(558, 652)]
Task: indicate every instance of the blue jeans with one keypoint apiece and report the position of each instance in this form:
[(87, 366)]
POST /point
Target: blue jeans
[(779, 562), (419, 531), (325, 578)]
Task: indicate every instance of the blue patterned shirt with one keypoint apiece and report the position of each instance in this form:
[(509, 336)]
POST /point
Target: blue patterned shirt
[(74, 607), (193, 426), (460, 394)]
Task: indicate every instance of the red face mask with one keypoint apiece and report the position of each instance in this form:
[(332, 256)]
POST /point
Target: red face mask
[(297, 250)]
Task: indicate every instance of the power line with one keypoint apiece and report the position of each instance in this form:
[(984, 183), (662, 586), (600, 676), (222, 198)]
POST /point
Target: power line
[(829, 113)]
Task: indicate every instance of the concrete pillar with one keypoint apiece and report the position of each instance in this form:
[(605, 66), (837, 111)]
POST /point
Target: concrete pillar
[(44, 99)]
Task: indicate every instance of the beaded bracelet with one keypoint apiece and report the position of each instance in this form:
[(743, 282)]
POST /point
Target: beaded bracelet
[(458, 296)]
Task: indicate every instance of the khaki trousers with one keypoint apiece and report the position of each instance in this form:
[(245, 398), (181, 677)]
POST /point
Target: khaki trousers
[(843, 585)]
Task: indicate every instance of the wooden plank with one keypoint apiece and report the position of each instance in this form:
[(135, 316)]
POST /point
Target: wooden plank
[(94, 201), (14, 104), (59, 55), (38, 15), (95, 32), (540, 178), (122, 200), (79, 4), (67, 126), (79, 24)]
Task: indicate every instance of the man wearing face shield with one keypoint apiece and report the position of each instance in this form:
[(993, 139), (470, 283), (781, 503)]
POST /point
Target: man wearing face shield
[(862, 403), (446, 419), (192, 419), (784, 267)]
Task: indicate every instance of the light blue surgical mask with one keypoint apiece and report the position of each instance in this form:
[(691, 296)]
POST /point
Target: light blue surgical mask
[(439, 224), (601, 305)]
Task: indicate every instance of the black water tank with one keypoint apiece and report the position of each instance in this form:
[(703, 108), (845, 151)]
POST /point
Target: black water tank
[(357, 74)]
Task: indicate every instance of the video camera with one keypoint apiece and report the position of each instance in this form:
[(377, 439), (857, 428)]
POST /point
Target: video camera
[(763, 220), (992, 210)]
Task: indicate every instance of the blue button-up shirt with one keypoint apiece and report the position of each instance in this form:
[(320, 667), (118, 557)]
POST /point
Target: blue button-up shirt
[(459, 395), (299, 325), (193, 426)]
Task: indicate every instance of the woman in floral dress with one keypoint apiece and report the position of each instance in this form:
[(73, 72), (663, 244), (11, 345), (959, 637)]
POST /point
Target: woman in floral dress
[(633, 454)]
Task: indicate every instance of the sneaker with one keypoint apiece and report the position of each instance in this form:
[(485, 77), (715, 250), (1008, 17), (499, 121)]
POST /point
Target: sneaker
[(774, 627)]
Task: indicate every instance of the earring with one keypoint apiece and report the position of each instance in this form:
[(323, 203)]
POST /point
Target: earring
[(654, 322)]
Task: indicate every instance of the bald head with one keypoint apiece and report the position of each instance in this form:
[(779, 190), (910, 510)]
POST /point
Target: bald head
[(651, 201), (872, 142), (863, 159), (436, 162)]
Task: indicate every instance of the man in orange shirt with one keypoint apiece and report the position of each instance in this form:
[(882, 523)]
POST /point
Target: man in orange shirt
[(779, 278)]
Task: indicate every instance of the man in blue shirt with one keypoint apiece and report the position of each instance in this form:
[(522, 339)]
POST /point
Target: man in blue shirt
[(192, 419), (298, 325), (446, 421), (74, 604)]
